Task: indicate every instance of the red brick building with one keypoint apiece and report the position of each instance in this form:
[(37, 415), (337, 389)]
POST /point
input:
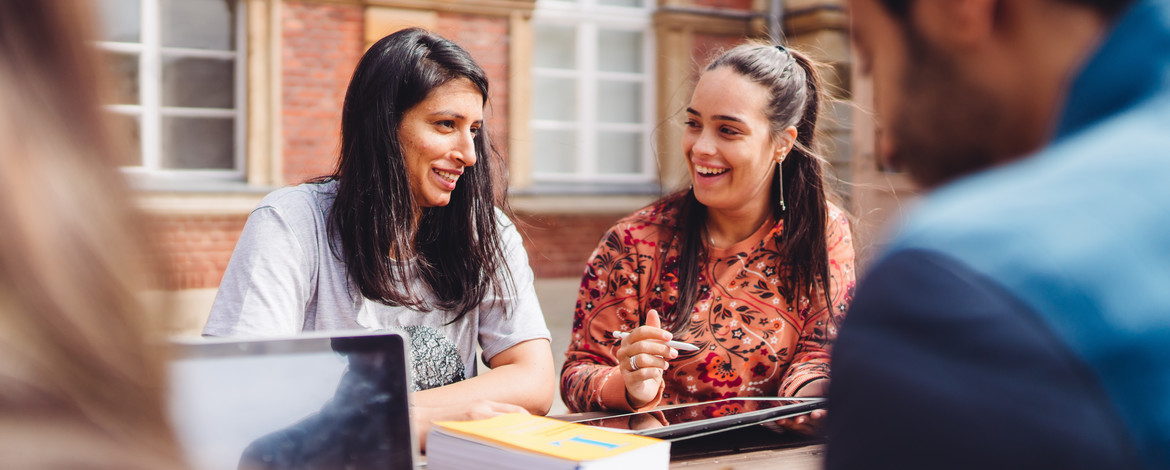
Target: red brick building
[(229, 100)]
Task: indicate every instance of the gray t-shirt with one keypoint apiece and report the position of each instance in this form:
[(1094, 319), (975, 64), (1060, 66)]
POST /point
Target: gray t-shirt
[(283, 279)]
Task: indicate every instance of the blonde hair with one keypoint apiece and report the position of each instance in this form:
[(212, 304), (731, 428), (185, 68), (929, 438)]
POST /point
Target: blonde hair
[(75, 346)]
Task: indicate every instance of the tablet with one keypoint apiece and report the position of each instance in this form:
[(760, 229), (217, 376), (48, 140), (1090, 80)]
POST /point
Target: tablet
[(700, 419)]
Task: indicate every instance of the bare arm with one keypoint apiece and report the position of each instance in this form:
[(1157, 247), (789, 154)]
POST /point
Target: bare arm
[(521, 375), (521, 380)]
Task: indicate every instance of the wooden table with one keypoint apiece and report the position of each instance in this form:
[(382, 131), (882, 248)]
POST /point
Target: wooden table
[(749, 448)]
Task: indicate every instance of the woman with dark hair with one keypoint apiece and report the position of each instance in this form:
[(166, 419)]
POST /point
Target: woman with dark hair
[(404, 235), (751, 263)]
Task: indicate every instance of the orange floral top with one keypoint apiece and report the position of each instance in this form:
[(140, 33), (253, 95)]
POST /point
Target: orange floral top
[(753, 339)]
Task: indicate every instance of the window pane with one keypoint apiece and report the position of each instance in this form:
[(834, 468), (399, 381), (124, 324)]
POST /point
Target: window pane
[(553, 151), (619, 101), (198, 143), (619, 153), (619, 51), (554, 98), (199, 83), (121, 20), (556, 47), (199, 24), (129, 130), (123, 70)]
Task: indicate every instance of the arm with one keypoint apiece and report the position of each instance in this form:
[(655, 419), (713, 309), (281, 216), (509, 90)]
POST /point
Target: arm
[(608, 300), (267, 284), (515, 344), (491, 393), (521, 375), (939, 366), (810, 362)]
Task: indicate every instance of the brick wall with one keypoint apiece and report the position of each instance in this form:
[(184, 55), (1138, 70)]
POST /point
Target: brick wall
[(558, 245), (726, 4), (322, 43), (705, 47), (194, 250)]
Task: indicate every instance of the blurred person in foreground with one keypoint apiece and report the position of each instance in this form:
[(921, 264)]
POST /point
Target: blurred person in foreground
[(80, 385), (1021, 317)]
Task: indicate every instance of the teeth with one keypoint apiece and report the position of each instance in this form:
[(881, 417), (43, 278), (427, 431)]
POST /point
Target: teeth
[(708, 171), (447, 175)]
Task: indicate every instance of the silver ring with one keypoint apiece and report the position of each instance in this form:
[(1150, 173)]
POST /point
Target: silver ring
[(633, 363)]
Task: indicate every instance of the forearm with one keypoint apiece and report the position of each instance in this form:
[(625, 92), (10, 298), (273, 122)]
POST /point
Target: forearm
[(522, 378)]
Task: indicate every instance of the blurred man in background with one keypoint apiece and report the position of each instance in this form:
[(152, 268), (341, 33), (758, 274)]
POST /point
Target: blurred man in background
[(1021, 317)]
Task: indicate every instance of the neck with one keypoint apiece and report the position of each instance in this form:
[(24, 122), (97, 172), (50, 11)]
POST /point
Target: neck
[(1037, 58), (728, 227)]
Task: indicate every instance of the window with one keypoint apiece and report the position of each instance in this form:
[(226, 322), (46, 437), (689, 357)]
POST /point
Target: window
[(593, 96), (178, 70)]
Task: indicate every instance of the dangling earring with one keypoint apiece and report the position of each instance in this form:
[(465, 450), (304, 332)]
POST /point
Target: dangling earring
[(780, 170)]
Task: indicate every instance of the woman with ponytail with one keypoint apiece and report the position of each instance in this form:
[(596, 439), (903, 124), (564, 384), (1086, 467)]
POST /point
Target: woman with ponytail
[(751, 263)]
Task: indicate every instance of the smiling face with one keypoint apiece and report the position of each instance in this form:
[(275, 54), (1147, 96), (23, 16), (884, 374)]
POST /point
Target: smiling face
[(729, 143), (438, 140)]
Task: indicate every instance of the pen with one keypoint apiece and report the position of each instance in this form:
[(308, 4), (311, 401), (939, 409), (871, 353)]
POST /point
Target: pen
[(674, 344)]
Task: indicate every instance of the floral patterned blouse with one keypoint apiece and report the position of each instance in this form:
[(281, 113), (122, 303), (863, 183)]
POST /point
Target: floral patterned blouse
[(753, 340)]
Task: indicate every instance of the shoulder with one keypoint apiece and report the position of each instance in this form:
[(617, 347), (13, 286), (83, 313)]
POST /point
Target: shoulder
[(304, 200), (1060, 207), (660, 217), (836, 220)]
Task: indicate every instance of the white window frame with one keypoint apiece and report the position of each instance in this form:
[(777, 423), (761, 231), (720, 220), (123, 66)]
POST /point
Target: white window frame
[(588, 17), (150, 112)]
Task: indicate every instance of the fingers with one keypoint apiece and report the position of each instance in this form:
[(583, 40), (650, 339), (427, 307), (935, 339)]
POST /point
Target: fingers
[(651, 348), (808, 424), (652, 330), (652, 319)]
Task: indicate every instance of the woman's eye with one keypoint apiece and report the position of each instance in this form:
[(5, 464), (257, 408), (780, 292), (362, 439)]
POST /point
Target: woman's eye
[(446, 124), (730, 131), (691, 123), (475, 131)]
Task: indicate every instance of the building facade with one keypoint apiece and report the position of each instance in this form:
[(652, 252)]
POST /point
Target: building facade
[(227, 100)]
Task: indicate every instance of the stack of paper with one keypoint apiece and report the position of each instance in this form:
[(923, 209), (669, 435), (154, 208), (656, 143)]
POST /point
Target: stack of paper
[(535, 442)]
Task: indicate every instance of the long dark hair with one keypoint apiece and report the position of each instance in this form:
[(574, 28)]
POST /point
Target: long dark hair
[(794, 86), (386, 238)]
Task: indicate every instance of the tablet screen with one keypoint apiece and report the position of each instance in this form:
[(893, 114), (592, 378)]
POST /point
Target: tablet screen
[(683, 414)]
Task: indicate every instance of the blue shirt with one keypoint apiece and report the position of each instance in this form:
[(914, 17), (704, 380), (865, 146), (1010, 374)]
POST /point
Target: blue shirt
[(1021, 318)]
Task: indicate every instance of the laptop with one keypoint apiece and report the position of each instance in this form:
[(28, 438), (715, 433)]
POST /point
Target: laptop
[(320, 401)]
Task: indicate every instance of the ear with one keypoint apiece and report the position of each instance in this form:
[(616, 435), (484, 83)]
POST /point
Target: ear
[(958, 24), (784, 143)]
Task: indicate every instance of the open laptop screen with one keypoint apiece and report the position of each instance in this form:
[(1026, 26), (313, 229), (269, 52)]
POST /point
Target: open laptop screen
[(306, 403)]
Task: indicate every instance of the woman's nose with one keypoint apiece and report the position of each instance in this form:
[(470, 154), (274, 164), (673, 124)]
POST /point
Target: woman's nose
[(704, 144), (465, 153)]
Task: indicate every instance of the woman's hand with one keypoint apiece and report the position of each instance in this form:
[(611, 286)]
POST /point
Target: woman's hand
[(812, 422), (642, 358), (423, 416)]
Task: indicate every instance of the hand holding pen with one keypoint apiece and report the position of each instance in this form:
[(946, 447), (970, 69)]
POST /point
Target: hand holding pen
[(642, 358)]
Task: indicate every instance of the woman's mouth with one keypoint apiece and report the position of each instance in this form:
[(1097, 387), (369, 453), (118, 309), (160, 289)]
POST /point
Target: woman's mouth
[(710, 171), (445, 179), (446, 175)]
